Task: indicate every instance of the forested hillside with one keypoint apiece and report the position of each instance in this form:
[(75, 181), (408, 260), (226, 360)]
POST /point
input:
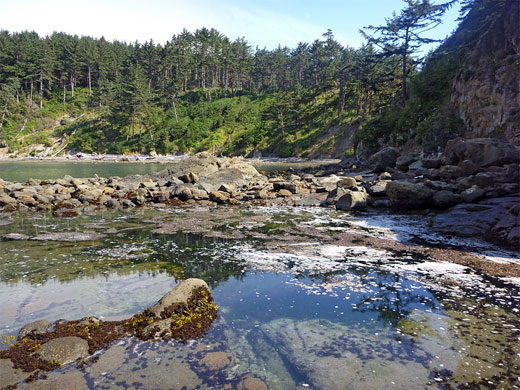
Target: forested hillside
[(201, 90)]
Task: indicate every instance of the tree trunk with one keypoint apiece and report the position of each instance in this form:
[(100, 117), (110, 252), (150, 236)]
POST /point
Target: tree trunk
[(72, 86), (32, 89), (89, 82), (64, 92), (41, 89), (175, 109)]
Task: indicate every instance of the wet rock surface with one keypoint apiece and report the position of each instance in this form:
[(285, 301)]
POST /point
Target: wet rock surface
[(188, 310)]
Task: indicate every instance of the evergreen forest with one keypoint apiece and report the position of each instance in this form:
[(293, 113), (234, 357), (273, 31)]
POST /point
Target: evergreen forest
[(204, 91)]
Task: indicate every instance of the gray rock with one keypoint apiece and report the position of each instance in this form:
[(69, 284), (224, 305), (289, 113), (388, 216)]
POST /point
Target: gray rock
[(36, 327), (189, 177), (472, 194), (180, 295), (415, 166), (7, 200), (229, 188), (383, 159), (385, 176), (483, 152), (379, 188), (352, 200), (219, 196), (183, 193), (285, 186), (403, 162), (64, 350), (445, 199), (126, 203), (335, 194), (347, 183), (468, 219), (431, 163), (10, 376), (484, 180), (113, 203), (405, 195), (466, 168)]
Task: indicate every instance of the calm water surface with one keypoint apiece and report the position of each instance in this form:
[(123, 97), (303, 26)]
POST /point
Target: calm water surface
[(25, 170), (339, 319)]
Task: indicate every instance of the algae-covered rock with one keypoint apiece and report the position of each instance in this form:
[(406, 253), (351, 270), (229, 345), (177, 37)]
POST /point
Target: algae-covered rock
[(36, 327), (180, 296)]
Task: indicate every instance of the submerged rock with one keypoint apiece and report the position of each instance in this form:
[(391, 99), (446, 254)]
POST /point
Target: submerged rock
[(63, 350)]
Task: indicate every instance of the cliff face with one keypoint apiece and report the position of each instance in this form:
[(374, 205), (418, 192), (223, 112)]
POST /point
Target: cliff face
[(486, 90)]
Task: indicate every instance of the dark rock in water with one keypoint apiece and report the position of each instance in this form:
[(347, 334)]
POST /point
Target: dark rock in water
[(465, 168), (216, 361), (470, 219), (445, 199), (507, 229), (483, 152), (472, 194), (63, 350), (383, 159), (431, 163), (406, 195), (352, 200), (251, 383), (36, 327)]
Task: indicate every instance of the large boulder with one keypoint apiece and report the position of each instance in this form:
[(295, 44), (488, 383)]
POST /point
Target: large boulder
[(483, 152), (352, 200), (180, 296), (383, 159), (406, 195)]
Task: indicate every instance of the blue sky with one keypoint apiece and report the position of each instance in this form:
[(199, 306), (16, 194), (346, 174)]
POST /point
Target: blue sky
[(264, 23)]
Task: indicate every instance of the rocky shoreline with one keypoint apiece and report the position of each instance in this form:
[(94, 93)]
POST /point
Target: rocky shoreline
[(473, 188)]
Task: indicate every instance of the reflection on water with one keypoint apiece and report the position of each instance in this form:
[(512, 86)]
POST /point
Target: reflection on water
[(349, 323), (25, 170)]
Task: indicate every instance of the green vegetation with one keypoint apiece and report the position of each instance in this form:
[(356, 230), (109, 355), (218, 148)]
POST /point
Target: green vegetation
[(202, 91)]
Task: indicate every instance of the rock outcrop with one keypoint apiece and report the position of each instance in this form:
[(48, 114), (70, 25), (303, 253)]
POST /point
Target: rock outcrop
[(485, 92)]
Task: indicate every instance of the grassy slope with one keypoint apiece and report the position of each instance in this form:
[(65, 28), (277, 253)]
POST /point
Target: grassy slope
[(236, 125)]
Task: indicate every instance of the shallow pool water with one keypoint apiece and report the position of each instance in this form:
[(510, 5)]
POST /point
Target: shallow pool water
[(320, 316)]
